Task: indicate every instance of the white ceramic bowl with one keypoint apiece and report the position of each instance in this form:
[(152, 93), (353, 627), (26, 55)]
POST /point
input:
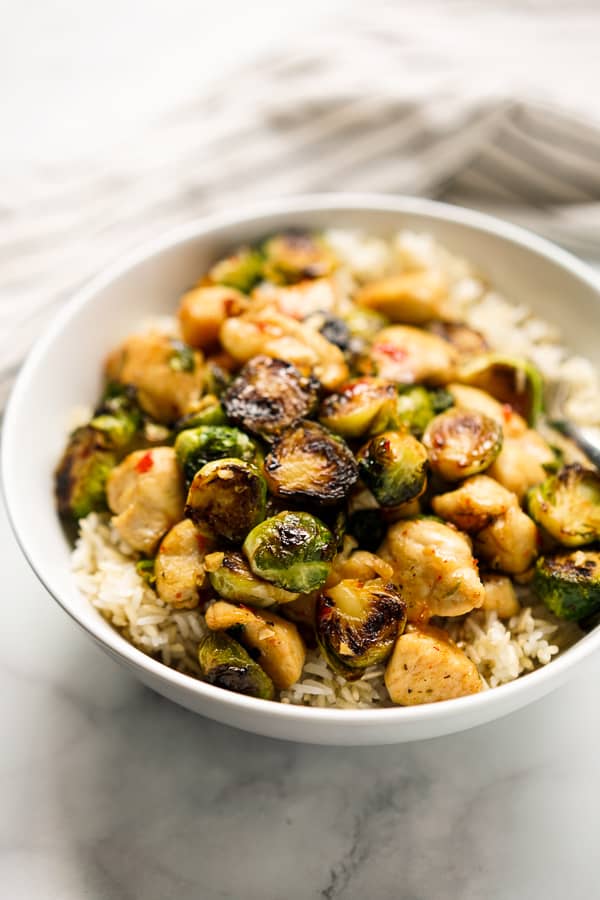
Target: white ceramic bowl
[(63, 371)]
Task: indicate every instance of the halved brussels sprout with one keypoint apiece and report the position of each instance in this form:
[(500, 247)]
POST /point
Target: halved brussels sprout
[(195, 447), (334, 329), (294, 255), (567, 505), (292, 549), (227, 665), (242, 270), (118, 416), (416, 406), (393, 465), (569, 583), (509, 379), (81, 475), (228, 495), (364, 324), (462, 442), (309, 463), (363, 406), (216, 376), (357, 623), (234, 580), (209, 412), (368, 527), (268, 395)]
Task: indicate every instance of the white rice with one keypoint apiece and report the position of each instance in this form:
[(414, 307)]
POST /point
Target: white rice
[(105, 568)]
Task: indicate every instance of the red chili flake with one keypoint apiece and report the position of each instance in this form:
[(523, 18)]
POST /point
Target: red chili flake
[(398, 354), (145, 463), (507, 412)]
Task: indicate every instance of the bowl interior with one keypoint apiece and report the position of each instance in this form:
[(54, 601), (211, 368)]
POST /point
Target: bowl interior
[(63, 371)]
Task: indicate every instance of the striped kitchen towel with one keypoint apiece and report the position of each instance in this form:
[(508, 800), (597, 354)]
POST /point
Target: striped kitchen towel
[(481, 104)]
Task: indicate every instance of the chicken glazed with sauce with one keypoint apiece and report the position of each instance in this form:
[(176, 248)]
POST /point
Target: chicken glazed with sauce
[(336, 469)]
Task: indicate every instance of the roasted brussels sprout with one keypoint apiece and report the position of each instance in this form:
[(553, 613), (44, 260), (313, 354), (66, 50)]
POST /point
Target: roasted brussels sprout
[(118, 416), (462, 442), (241, 270), (569, 583), (268, 395), (368, 527), (209, 412), (509, 379), (567, 505), (195, 447), (234, 580), (336, 331), (308, 463), (363, 406), (216, 376), (393, 465), (410, 297), (292, 550), (295, 255), (227, 665), (364, 324), (357, 623), (80, 477), (229, 496)]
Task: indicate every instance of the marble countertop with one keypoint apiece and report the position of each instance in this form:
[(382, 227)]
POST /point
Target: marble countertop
[(110, 791)]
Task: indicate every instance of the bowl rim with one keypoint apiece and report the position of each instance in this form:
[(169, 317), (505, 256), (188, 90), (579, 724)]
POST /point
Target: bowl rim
[(542, 678)]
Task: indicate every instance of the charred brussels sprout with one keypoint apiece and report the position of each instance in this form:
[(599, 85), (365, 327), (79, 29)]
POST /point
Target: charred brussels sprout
[(292, 550), (195, 447), (416, 407), (569, 583), (227, 665), (393, 465), (368, 527), (229, 496), (335, 330), (308, 463), (242, 270), (234, 580), (364, 406), (462, 442), (509, 379), (268, 395), (80, 477), (295, 255), (364, 324), (208, 413), (357, 623), (567, 505)]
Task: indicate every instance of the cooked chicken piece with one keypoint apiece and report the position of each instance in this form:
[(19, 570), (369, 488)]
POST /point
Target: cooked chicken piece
[(168, 376), (467, 341), (407, 355), (146, 494), (474, 398), (434, 568), (281, 650), (477, 502), (179, 565), (302, 610), (203, 310), (359, 566), (520, 463), (500, 595), (426, 667), (411, 297), (299, 300), (509, 543), (266, 331)]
